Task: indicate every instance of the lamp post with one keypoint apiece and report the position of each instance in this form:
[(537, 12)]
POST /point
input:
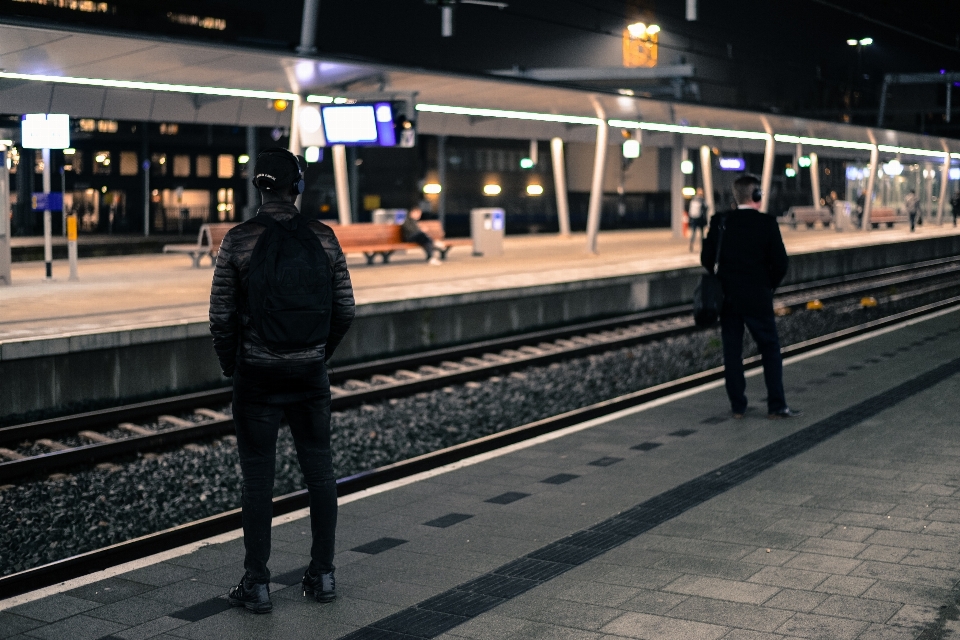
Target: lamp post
[(860, 44)]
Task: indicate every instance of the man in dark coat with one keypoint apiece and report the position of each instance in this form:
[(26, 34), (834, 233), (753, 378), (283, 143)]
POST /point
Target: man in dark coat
[(753, 261), (268, 382)]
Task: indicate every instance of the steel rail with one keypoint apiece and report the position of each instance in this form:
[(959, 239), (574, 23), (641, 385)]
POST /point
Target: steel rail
[(145, 546), (105, 451)]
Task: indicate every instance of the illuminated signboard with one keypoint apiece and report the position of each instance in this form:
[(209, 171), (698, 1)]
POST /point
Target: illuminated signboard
[(359, 124), (733, 164), (45, 131)]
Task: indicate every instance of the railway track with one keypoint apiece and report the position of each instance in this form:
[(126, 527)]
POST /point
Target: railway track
[(102, 436), (142, 547)]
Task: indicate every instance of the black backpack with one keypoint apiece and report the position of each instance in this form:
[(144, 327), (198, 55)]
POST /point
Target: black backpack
[(289, 297)]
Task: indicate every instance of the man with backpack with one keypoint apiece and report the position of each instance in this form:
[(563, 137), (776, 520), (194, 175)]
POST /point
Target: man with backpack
[(280, 304)]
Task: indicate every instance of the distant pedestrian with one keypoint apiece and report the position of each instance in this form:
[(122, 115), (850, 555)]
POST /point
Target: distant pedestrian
[(752, 263), (697, 213), (282, 262), (410, 231), (911, 203)]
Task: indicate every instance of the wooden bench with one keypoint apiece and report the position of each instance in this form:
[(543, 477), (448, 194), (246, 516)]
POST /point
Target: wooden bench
[(208, 243), (384, 240), (809, 216), (888, 216)]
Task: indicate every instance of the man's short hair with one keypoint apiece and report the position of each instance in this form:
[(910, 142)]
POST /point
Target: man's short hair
[(743, 188)]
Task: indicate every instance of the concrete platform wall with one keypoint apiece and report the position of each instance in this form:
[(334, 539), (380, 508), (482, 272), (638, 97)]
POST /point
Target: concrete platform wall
[(46, 376)]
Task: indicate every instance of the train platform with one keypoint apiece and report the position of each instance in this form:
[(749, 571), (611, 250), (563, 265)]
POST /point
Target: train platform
[(150, 290), (670, 520)]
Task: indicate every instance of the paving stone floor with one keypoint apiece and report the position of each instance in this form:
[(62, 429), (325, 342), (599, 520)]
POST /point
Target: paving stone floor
[(855, 537)]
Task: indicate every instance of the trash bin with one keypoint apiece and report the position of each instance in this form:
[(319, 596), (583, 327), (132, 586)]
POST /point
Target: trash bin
[(389, 216), (486, 230)]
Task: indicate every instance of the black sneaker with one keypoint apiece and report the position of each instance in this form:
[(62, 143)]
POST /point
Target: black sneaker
[(786, 412), (251, 596), (322, 586)]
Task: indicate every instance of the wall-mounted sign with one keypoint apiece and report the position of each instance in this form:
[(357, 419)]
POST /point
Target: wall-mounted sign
[(45, 130), (47, 201)]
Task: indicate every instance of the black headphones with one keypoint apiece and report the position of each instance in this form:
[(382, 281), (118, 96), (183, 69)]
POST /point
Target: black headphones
[(757, 194), (300, 185)]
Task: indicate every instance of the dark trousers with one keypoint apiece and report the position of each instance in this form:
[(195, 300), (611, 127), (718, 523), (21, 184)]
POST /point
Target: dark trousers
[(696, 224), (424, 241), (764, 332), (260, 396), (913, 220)]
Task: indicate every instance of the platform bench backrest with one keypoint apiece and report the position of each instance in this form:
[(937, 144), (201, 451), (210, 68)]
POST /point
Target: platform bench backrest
[(211, 235), (362, 235)]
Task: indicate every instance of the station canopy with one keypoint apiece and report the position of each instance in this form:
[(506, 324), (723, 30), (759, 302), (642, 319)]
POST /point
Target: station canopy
[(92, 75)]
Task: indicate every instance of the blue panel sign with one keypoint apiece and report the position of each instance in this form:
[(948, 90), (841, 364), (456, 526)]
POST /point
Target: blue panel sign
[(47, 201), (733, 164)]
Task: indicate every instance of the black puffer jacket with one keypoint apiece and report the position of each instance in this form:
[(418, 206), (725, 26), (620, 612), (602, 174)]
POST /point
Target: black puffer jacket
[(233, 333)]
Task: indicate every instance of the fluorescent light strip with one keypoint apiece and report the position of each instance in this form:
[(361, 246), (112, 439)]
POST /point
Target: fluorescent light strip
[(320, 99), (911, 152), (823, 142), (152, 86), (513, 115), (697, 131)]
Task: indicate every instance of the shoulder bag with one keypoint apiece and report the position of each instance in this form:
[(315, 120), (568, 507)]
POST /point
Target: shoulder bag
[(708, 296)]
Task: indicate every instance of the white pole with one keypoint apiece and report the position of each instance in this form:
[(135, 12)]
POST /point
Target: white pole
[(871, 182), (706, 168), (341, 184), (766, 178), (815, 179), (677, 156), (596, 185), (944, 177), (4, 218), (47, 222), (560, 185)]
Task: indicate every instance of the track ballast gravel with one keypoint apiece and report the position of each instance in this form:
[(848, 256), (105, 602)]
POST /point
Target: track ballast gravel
[(63, 515)]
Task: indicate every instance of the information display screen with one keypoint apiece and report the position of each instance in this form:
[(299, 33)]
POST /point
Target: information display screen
[(45, 131), (357, 125)]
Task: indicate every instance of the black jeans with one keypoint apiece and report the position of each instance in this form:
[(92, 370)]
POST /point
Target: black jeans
[(260, 396), (764, 332), (424, 241)]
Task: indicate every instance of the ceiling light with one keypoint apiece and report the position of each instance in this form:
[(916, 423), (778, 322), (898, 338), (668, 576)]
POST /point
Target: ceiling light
[(534, 190), (243, 158), (637, 29), (432, 188), (69, 151), (513, 115), (311, 154), (697, 131), (491, 189), (653, 29), (686, 167), (893, 168), (689, 192), (526, 163), (151, 86), (631, 149), (804, 161)]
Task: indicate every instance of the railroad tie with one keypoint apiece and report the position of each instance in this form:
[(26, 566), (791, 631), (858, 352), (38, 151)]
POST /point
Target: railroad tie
[(52, 444), (94, 436), (382, 379), (406, 374), (474, 362), (175, 421), (11, 455), (210, 413), (135, 429), (338, 391)]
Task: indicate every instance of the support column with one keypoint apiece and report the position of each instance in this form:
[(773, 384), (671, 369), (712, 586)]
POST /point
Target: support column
[(340, 183), (676, 186), (47, 221), (766, 178), (145, 167), (706, 169), (944, 178), (560, 185), (815, 179), (871, 183), (442, 179), (596, 185), (295, 147), (253, 196), (4, 218), (308, 27)]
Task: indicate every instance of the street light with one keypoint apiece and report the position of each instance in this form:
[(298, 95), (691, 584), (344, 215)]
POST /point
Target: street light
[(865, 41), (852, 42)]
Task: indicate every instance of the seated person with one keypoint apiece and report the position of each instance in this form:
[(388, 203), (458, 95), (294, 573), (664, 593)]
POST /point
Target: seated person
[(410, 231)]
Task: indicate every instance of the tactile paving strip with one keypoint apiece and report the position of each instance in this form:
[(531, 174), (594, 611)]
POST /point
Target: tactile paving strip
[(434, 616)]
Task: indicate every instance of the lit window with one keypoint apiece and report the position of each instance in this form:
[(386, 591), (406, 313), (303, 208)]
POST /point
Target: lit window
[(128, 163), (224, 204), (181, 166), (204, 167), (169, 129), (101, 163), (107, 126), (87, 125), (225, 166)]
